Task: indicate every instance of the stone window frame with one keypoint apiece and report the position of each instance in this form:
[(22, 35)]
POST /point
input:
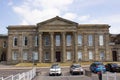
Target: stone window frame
[(15, 55), (15, 41), (90, 55), (90, 40), (25, 55), (47, 57), (102, 55), (58, 41), (80, 40), (101, 40), (35, 56), (69, 55), (46, 40), (4, 44), (68, 40), (25, 40), (36, 40), (80, 56)]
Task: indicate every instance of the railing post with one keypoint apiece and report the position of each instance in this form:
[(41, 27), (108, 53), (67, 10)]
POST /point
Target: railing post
[(12, 77), (107, 75), (115, 76)]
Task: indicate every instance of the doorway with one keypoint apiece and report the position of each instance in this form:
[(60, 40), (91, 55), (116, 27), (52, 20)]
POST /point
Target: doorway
[(114, 53), (3, 56), (58, 56)]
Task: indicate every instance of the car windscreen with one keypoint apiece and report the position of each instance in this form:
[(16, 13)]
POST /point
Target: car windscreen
[(55, 67), (99, 64), (76, 66), (114, 65)]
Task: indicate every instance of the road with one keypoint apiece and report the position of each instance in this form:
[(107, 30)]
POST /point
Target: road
[(44, 74)]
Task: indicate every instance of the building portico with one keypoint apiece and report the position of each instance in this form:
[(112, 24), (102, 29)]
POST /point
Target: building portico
[(58, 40)]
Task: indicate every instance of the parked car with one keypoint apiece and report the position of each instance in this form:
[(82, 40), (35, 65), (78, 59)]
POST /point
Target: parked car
[(55, 70), (76, 68), (97, 67), (112, 67)]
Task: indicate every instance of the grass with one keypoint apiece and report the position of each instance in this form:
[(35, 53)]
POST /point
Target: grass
[(61, 64)]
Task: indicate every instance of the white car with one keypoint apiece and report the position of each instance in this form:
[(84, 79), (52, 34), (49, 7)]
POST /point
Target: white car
[(55, 70)]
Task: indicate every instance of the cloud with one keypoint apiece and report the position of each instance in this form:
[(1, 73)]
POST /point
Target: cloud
[(10, 3), (35, 11), (89, 3), (32, 12), (70, 16), (112, 20), (84, 18)]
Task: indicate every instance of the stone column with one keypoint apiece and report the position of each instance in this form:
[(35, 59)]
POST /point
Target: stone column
[(21, 48), (108, 53), (86, 56), (40, 47), (52, 46), (64, 46), (97, 56), (31, 44), (76, 47), (10, 46)]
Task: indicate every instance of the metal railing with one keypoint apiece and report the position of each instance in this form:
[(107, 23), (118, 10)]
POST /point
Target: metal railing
[(111, 76), (1, 78), (22, 76)]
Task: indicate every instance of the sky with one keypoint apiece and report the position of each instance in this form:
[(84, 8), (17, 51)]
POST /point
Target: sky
[(31, 12)]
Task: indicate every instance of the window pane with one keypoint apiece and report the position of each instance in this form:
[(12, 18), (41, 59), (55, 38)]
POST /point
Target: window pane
[(101, 41), (35, 55), (4, 44), (25, 41), (14, 55), (102, 55), (79, 40), (68, 55), (25, 56), (68, 40), (15, 41), (79, 55), (90, 55), (47, 56), (36, 40), (57, 40), (90, 40), (47, 41)]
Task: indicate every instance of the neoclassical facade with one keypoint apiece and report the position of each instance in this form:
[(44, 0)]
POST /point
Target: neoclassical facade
[(58, 40)]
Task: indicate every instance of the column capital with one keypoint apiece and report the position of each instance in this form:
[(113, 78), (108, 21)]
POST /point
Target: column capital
[(40, 33), (63, 32), (51, 33)]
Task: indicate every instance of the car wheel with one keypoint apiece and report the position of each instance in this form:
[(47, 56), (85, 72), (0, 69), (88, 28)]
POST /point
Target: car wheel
[(81, 73), (72, 73), (50, 75)]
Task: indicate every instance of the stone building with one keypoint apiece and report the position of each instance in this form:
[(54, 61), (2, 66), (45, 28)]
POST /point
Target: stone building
[(58, 40), (3, 47), (115, 46)]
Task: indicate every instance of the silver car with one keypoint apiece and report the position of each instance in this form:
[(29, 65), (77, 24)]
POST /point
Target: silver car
[(76, 68), (55, 70)]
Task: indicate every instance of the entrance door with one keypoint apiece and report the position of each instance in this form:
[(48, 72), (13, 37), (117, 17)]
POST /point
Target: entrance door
[(3, 56), (114, 53), (58, 57)]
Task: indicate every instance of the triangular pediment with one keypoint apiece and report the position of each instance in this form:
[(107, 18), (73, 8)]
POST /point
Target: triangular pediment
[(57, 21)]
